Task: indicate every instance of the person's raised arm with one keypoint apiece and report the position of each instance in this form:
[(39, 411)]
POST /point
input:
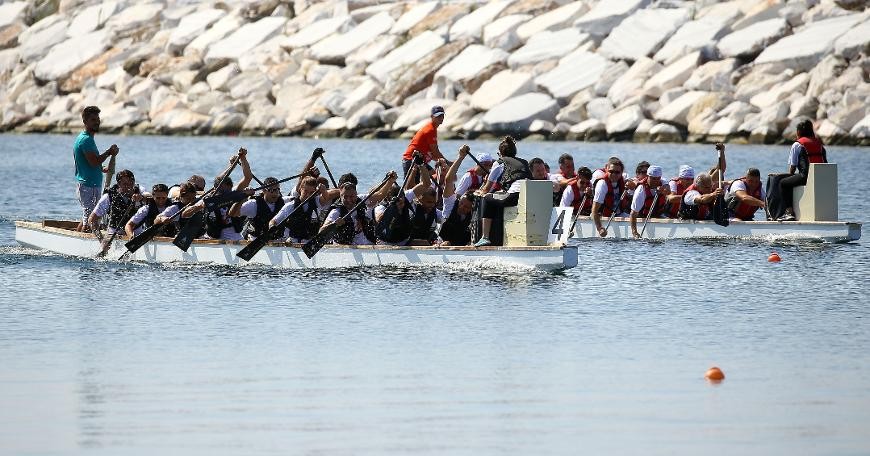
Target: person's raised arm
[(379, 196), (451, 172), (247, 175), (309, 165), (425, 181)]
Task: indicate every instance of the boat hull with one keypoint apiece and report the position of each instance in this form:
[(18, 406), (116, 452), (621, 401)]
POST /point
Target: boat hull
[(685, 229), (60, 239)]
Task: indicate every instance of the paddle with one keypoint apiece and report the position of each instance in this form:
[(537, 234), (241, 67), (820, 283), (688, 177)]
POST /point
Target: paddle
[(720, 209), (272, 233), (105, 244), (235, 196), (615, 209), (326, 167), (577, 215), (110, 173), (649, 214), (326, 234), (137, 242)]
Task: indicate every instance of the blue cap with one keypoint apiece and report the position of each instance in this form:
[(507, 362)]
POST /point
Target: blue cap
[(437, 111)]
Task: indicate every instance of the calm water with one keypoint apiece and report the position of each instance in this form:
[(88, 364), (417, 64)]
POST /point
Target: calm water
[(115, 358)]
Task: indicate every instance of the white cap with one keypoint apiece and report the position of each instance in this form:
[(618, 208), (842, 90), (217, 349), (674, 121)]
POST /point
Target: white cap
[(485, 157), (654, 171), (687, 172)]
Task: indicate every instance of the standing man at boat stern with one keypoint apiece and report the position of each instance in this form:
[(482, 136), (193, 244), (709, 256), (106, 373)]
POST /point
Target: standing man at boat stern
[(88, 162), (425, 142)]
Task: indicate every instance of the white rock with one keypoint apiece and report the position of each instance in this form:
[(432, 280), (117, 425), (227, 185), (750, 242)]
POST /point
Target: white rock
[(611, 74), (804, 106), (693, 35), (367, 116), (317, 31), (110, 78), (66, 57), (713, 76), (517, 114), (471, 25), (631, 82), (797, 84), (133, 17), (265, 118), (333, 124), (588, 128), (752, 39), (8, 61), (338, 46), (504, 85), (556, 19), (673, 75), (572, 114), (363, 93), (806, 47), (91, 18), (829, 131), (663, 132), (760, 79), (502, 33), (582, 70), (248, 84), (760, 12), (625, 120), (413, 16), (738, 110), (460, 113), (118, 116), (373, 51), (470, 62), (34, 44), (179, 120), (642, 33), (268, 55), (725, 126), (861, 130), (412, 51), (547, 45), (192, 26), (223, 27), (244, 39), (606, 15), (677, 111), (228, 122), (12, 12), (218, 80), (599, 108), (541, 126), (855, 41)]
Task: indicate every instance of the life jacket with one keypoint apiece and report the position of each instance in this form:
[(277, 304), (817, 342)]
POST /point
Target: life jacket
[(514, 169), (742, 210), (180, 222), (215, 222), (120, 208), (305, 223), (813, 148), (673, 209), (422, 224), (153, 212), (610, 203), (647, 203), (347, 232), (578, 198), (456, 230), (696, 211), (395, 225), (258, 225), (476, 181)]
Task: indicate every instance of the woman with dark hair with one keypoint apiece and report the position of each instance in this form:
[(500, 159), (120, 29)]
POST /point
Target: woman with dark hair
[(807, 149), (508, 171)]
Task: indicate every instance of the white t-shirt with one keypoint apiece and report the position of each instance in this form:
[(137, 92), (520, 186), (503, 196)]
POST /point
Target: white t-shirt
[(639, 198), (795, 153), (287, 208), (140, 216), (465, 183), (689, 197), (495, 174), (739, 185), (359, 238), (601, 192)]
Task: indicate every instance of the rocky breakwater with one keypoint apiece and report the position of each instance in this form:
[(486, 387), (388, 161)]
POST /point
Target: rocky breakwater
[(641, 70)]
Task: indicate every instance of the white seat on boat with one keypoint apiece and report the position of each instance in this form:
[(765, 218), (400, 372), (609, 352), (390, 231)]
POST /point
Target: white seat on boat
[(528, 223), (818, 200)]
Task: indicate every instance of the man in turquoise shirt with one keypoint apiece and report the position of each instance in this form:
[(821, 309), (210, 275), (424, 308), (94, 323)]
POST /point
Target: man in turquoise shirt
[(89, 161)]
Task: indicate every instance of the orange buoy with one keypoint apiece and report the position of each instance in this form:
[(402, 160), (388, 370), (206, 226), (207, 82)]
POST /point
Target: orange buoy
[(774, 257), (714, 374)]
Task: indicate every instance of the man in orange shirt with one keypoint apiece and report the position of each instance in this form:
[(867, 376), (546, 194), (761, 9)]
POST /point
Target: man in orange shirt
[(425, 141)]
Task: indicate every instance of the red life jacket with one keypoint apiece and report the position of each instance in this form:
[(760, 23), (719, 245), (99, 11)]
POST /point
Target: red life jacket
[(609, 199), (476, 181), (744, 211), (578, 198), (814, 149), (674, 210), (696, 211), (647, 203)]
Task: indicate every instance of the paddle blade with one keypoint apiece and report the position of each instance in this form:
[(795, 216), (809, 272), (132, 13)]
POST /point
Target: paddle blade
[(319, 240), (720, 211), (252, 248), (186, 236), (225, 199), (134, 244)]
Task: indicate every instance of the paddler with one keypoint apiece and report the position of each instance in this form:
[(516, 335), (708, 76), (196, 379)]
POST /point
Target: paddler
[(746, 196), (154, 206), (508, 172), (261, 209), (88, 163), (697, 202), (609, 194), (456, 226), (645, 194), (678, 185), (807, 149), (578, 189), (119, 203), (305, 222)]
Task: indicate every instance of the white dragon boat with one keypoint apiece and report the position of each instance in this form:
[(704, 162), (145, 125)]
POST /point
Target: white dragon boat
[(815, 207), (528, 244)]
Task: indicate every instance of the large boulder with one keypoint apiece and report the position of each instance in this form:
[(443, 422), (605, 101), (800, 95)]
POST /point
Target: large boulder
[(642, 33), (373, 51), (413, 17), (677, 111), (223, 27), (701, 33), (807, 46), (712, 76), (91, 18), (573, 74), (470, 62), (758, 80), (365, 91), (12, 12), (446, 14), (419, 75), (192, 26), (335, 48), (547, 45), (759, 12), (36, 41), (599, 108), (502, 33), (854, 42), (779, 92), (503, 86), (861, 130), (471, 25), (611, 74), (516, 114), (662, 132), (556, 19), (264, 118), (66, 57), (408, 53), (588, 130), (179, 120), (244, 39), (631, 83), (751, 40), (623, 121), (130, 20), (118, 116), (317, 31), (673, 75), (367, 116), (606, 15)]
